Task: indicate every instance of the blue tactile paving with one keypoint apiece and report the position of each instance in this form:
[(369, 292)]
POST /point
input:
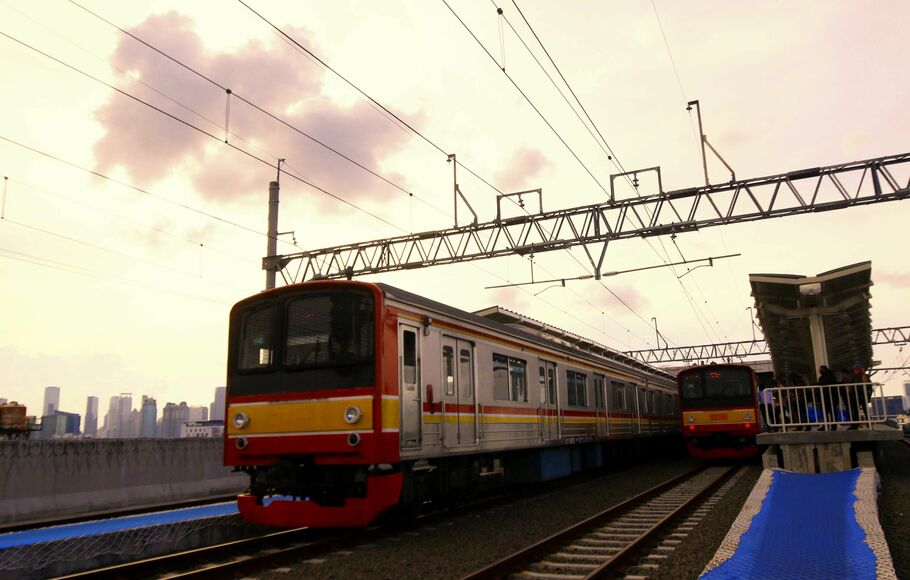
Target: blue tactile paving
[(806, 529), (68, 531)]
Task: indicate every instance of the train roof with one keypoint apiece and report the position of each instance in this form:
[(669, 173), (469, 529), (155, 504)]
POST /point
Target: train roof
[(505, 321)]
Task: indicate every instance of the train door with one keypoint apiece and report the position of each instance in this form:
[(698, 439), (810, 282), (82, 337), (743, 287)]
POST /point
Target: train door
[(549, 409), (600, 406), (409, 386), (459, 413), (638, 401)]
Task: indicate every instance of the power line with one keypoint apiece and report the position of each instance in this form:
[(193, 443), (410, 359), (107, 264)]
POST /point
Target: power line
[(132, 221), (262, 110), (526, 98), (351, 84), (56, 265), (202, 131)]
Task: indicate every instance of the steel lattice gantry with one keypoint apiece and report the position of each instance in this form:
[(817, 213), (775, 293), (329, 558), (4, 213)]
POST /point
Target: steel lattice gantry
[(726, 351), (594, 226)]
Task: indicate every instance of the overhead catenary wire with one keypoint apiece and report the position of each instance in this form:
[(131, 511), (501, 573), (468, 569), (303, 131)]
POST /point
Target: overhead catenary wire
[(525, 96), (271, 115), (614, 158), (201, 131), (351, 84)]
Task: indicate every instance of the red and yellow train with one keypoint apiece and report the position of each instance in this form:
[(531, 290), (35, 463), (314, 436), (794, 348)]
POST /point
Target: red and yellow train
[(719, 410), (348, 398)]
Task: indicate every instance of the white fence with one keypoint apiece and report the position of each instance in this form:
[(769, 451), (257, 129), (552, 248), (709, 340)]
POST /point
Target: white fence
[(825, 406)]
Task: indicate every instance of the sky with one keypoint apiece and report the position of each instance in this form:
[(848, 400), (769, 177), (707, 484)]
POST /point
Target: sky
[(119, 264)]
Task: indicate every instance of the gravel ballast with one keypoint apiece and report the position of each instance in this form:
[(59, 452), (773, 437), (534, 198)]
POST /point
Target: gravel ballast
[(456, 546)]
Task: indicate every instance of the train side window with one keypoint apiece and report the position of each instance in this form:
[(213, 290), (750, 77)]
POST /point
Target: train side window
[(619, 399), (576, 384), (519, 379), (466, 373), (448, 364), (256, 340), (409, 357)]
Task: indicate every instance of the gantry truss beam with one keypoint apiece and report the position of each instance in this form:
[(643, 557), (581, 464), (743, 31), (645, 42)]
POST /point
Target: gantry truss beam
[(726, 351), (594, 226)]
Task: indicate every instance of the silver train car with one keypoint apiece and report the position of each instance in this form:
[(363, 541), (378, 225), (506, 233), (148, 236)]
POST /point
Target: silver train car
[(348, 398)]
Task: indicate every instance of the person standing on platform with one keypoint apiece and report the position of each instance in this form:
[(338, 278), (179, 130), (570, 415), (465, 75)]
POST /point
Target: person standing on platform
[(828, 404), (766, 398)]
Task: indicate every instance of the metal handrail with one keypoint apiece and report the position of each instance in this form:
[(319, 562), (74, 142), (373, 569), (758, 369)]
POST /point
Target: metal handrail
[(825, 406)]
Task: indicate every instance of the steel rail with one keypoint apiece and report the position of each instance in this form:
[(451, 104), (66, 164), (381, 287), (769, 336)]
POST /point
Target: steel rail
[(237, 550), (114, 513), (514, 562), (610, 567)]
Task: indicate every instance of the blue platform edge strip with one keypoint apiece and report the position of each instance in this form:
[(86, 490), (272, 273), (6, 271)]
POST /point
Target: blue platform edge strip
[(806, 529), (69, 531)]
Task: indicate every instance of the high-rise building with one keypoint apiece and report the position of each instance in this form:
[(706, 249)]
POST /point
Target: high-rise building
[(173, 417), (72, 422), (51, 401), (91, 417), (906, 395), (216, 409), (148, 426), (118, 422), (199, 413), (3, 401)]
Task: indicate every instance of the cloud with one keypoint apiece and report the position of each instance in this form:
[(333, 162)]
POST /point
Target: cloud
[(150, 147), (892, 278), (525, 165)]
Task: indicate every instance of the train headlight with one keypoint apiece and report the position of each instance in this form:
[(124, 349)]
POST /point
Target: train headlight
[(241, 420), (747, 416), (352, 414), (691, 418)]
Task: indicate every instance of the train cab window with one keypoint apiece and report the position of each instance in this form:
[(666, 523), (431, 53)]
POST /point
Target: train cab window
[(466, 373), (619, 399), (256, 340), (329, 330), (576, 384), (448, 364), (716, 387), (409, 357), (510, 378)]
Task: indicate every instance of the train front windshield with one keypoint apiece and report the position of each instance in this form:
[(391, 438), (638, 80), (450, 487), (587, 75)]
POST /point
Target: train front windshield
[(309, 341), (716, 388)]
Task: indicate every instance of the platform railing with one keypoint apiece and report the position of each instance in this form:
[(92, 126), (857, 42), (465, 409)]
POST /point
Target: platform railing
[(848, 405)]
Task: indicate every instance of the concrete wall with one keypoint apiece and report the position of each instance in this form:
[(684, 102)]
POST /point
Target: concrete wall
[(52, 479)]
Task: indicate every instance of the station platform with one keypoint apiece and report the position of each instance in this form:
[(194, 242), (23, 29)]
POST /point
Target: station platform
[(799, 525), (830, 451), (111, 525)]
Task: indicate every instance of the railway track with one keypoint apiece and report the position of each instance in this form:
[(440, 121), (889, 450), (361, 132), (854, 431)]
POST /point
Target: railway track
[(222, 560), (115, 513), (600, 545)]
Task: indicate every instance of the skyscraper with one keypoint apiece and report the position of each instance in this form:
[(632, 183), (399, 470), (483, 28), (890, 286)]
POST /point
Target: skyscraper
[(91, 417), (149, 427), (199, 413), (173, 417), (118, 421), (51, 401), (216, 410), (906, 394)]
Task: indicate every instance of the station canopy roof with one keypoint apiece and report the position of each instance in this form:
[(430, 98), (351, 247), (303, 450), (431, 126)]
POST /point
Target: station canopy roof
[(841, 297)]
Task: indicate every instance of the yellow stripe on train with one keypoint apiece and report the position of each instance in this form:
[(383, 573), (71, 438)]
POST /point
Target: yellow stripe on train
[(302, 416), (726, 417)]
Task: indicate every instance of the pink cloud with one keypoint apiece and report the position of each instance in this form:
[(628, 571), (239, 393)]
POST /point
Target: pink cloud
[(891, 278), (149, 147), (525, 165)]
